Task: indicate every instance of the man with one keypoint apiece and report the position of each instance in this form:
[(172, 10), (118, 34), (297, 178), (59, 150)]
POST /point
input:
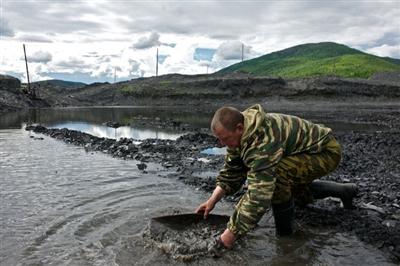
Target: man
[(280, 156)]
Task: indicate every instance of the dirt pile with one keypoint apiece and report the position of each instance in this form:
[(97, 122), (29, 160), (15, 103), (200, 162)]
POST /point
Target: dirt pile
[(9, 83), (233, 88), (200, 90), (392, 78), (323, 87), (12, 97)]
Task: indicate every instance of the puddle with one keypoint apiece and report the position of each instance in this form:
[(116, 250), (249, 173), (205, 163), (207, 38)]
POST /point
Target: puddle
[(214, 151)]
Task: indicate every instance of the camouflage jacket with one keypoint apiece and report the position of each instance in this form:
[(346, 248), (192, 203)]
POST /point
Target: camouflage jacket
[(267, 138)]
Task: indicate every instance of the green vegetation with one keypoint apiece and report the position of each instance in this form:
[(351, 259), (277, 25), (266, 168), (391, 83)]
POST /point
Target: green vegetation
[(165, 88), (60, 83), (153, 89), (319, 59)]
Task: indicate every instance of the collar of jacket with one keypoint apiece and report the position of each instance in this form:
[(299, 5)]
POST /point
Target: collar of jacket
[(254, 116)]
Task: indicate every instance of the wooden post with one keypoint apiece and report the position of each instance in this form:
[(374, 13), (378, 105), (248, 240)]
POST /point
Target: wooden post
[(27, 71), (157, 64), (242, 51)]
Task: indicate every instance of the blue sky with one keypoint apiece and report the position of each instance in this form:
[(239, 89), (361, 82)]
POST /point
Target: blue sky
[(206, 54), (83, 40)]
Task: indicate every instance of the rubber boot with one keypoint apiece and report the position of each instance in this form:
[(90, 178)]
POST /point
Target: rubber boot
[(346, 192), (283, 215)]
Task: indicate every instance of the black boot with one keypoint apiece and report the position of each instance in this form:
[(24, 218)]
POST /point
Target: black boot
[(346, 192), (283, 215)]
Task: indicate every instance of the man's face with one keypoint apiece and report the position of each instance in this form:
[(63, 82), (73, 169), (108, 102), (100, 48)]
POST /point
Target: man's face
[(229, 138)]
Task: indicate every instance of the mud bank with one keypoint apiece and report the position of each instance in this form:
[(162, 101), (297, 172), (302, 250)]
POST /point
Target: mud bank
[(180, 154), (371, 160), (200, 90)]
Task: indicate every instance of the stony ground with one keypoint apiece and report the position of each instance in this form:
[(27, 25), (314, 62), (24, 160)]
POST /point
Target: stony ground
[(371, 160)]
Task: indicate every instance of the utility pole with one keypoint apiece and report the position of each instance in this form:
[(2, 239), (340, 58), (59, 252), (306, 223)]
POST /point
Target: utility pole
[(157, 64), (115, 74), (242, 51), (27, 71), (207, 69), (31, 92)]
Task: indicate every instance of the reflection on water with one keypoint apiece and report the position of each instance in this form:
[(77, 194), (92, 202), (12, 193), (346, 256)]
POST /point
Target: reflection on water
[(100, 115), (115, 133), (141, 119), (145, 122)]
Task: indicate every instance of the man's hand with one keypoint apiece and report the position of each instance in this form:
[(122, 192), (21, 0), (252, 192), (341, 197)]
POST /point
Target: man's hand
[(228, 238), (206, 207)]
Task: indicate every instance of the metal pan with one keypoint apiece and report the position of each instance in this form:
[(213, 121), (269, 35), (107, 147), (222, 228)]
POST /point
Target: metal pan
[(181, 222)]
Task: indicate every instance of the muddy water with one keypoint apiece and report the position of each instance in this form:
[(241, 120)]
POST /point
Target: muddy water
[(63, 206), (60, 205)]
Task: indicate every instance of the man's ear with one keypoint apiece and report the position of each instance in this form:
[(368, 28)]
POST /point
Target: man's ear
[(240, 127)]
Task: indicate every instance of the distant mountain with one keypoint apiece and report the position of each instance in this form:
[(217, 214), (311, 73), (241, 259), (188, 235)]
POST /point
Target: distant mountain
[(60, 84), (393, 60), (316, 59)]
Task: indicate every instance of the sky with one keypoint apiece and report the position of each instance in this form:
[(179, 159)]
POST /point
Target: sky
[(97, 41)]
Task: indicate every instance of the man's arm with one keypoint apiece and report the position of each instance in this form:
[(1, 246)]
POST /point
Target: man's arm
[(261, 160), (233, 174), (254, 203), (250, 208)]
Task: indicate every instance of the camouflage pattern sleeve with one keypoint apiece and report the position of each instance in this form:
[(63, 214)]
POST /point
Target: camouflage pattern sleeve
[(266, 138), (233, 174), (261, 161)]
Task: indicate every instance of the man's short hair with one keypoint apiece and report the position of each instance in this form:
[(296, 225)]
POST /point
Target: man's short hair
[(228, 117)]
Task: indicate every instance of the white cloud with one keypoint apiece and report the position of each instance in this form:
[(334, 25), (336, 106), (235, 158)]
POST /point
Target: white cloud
[(72, 63), (33, 38), (147, 42), (40, 57), (134, 66), (386, 50), (95, 37), (232, 50), (5, 29)]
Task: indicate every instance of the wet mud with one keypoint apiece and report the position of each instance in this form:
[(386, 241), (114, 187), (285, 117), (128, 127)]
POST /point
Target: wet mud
[(370, 159), (186, 237)]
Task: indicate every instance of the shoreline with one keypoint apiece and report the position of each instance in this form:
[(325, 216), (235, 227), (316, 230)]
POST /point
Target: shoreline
[(292, 105), (211, 90)]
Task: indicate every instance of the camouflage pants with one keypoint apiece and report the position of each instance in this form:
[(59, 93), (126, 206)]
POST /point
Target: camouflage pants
[(296, 172)]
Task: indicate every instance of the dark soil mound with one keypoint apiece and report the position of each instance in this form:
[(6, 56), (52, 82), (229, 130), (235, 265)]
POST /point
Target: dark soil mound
[(9, 83)]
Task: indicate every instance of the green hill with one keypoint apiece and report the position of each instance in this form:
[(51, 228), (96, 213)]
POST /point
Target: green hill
[(60, 84), (316, 59)]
